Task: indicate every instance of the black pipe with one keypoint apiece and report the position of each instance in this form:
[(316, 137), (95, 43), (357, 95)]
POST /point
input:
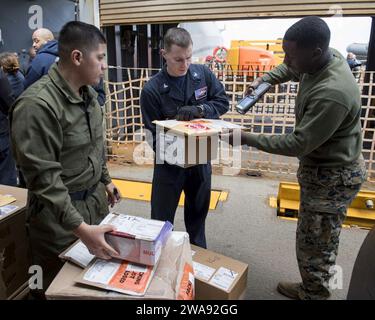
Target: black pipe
[(370, 66)]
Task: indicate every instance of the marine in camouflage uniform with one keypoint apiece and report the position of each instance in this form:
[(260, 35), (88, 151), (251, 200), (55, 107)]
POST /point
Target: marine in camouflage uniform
[(327, 141)]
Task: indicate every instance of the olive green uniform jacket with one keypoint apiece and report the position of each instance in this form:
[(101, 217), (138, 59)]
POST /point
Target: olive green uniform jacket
[(57, 140), (327, 109)]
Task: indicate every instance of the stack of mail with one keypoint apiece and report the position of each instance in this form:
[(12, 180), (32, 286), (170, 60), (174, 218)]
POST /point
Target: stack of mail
[(139, 242)]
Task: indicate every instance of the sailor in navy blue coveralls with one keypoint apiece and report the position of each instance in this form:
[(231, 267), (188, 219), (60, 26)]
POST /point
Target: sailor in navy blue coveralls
[(165, 97)]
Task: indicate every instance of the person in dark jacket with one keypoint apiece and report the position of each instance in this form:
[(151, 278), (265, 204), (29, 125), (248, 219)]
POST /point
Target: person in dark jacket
[(183, 91), (11, 67), (8, 173), (25, 59), (353, 62), (99, 88), (47, 54)]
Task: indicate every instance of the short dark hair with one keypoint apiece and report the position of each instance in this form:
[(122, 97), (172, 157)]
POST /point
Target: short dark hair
[(9, 62), (309, 32), (76, 35), (177, 36)]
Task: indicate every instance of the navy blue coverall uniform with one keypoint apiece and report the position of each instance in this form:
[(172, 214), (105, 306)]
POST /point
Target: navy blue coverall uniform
[(161, 100), (8, 173)]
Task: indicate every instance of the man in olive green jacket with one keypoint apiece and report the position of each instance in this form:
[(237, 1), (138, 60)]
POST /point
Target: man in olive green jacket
[(57, 140), (327, 141)]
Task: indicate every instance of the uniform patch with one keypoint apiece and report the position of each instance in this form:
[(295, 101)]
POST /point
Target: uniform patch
[(200, 93)]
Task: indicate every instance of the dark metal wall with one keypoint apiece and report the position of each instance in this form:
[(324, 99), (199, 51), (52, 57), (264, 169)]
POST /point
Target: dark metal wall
[(19, 19), (134, 46)]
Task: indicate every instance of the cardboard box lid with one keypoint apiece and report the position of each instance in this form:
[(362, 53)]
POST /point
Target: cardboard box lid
[(14, 207), (216, 269), (169, 281), (197, 127), (133, 227)]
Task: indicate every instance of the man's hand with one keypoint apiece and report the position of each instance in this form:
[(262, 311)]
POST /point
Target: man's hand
[(187, 113), (239, 138), (253, 86), (114, 195), (93, 238)]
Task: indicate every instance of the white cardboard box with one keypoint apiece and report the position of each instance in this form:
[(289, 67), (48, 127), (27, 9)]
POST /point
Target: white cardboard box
[(137, 239)]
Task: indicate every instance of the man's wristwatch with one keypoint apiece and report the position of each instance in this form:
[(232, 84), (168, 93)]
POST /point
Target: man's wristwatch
[(200, 110)]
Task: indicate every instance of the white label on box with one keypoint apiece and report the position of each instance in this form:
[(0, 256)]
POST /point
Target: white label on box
[(222, 124), (165, 142), (169, 123), (223, 278), (202, 271), (193, 253), (172, 148), (147, 228), (137, 226), (80, 254), (102, 271)]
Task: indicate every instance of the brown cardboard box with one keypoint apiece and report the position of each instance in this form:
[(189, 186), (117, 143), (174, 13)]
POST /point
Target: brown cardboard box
[(15, 258), (173, 278), (189, 143), (218, 277), (186, 148)]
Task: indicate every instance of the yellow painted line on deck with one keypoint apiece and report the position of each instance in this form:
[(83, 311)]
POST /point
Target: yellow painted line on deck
[(223, 196), (139, 190)]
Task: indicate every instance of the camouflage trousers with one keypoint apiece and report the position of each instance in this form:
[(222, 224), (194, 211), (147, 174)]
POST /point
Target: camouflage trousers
[(326, 194)]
